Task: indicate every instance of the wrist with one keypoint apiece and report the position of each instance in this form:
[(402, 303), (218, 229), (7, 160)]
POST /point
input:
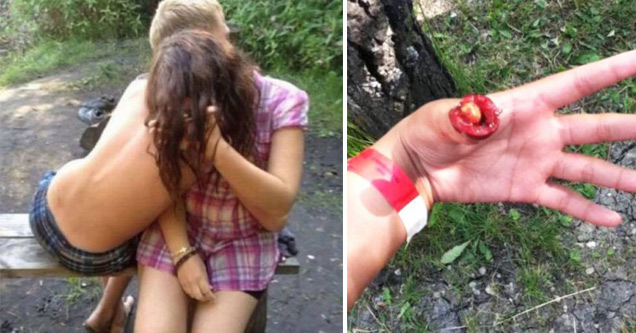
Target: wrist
[(391, 146), (185, 257), (182, 252), (216, 149)]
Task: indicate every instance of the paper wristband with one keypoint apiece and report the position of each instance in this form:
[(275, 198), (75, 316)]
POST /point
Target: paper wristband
[(396, 187)]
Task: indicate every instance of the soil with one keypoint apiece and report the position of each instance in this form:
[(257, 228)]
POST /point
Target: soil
[(39, 131)]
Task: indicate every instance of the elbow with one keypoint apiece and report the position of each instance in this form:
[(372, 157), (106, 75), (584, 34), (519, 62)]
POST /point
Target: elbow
[(275, 217), (274, 222)]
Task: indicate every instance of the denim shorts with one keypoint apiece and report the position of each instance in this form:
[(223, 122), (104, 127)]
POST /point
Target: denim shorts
[(47, 233)]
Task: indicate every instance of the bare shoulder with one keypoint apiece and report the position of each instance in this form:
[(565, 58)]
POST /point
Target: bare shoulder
[(136, 89), (133, 101)]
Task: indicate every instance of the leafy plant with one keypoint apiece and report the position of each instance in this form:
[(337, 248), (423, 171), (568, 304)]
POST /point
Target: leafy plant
[(300, 35), (453, 253), (92, 19)]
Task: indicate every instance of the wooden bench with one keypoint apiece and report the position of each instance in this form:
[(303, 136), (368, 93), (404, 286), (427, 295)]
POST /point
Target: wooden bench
[(22, 256)]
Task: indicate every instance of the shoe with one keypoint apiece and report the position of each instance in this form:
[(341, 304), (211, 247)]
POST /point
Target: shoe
[(93, 111)]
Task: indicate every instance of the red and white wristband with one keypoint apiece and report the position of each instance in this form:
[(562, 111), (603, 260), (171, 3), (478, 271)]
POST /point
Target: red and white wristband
[(396, 187)]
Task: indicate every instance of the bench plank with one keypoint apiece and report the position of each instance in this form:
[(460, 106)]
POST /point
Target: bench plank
[(22, 256), (15, 225)]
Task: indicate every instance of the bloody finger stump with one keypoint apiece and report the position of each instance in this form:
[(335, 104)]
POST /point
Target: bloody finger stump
[(476, 116)]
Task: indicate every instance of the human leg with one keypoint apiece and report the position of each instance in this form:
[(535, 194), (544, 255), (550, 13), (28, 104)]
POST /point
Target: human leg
[(163, 305), (230, 312), (110, 308)]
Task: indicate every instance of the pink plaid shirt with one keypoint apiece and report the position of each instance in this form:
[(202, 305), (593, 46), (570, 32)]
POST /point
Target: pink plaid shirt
[(239, 254)]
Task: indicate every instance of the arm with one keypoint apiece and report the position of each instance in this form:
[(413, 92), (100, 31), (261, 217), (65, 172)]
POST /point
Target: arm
[(192, 274), (374, 230), (173, 227), (373, 235), (267, 194)]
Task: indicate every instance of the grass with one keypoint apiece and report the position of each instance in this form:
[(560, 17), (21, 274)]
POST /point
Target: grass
[(325, 95), (77, 287), (133, 57), (48, 56), (43, 58), (489, 46)]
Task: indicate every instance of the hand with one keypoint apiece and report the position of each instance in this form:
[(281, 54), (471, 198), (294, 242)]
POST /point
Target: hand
[(516, 162), (215, 139), (212, 129), (194, 279)]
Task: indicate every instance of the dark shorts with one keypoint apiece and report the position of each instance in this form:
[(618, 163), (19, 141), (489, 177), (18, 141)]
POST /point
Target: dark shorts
[(47, 233), (255, 293)]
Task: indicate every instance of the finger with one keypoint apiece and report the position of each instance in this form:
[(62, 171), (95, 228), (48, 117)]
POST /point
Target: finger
[(152, 126), (187, 290), (594, 128), (195, 292), (581, 168), (206, 290), (436, 114), (563, 199), (565, 88), (212, 109)]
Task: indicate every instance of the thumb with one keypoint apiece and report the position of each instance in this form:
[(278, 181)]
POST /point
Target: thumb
[(436, 115)]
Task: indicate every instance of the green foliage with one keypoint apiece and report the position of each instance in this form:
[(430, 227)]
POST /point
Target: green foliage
[(325, 97), (453, 253), (534, 280), (357, 140), (45, 56), (93, 19), (298, 35), (48, 55)]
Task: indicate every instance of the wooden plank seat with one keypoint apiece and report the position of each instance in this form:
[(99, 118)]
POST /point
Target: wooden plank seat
[(22, 256)]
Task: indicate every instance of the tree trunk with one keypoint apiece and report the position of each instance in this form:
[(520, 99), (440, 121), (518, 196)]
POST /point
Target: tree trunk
[(392, 68)]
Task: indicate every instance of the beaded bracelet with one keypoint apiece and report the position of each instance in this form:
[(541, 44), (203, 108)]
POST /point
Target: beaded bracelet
[(176, 256), (184, 258), (182, 252)]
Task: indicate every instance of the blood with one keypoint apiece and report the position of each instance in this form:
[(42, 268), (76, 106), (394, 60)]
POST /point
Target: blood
[(476, 116)]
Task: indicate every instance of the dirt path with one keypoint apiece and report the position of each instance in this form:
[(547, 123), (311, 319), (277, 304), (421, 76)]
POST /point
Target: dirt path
[(39, 131)]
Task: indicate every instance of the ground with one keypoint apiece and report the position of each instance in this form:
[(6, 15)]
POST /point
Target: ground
[(525, 268), (39, 131)]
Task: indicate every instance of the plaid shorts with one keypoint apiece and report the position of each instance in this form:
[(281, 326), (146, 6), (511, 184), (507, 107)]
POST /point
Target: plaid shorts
[(47, 233)]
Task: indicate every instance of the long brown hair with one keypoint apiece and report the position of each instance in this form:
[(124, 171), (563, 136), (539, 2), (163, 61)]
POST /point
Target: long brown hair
[(192, 70)]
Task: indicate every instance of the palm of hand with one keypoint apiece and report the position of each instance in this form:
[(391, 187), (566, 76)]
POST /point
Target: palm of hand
[(513, 165), (517, 162)]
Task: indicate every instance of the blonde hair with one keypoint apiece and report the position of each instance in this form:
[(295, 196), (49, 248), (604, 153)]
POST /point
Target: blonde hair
[(175, 15)]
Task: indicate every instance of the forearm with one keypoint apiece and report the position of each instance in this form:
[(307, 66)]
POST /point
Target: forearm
[(173, 227), (266, 196), (374, 229), (374, 234)]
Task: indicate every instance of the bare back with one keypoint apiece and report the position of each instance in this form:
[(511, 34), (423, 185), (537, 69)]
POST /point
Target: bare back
[(115, 192)]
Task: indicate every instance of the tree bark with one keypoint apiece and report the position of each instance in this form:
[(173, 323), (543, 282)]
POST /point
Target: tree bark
[(392, 68)]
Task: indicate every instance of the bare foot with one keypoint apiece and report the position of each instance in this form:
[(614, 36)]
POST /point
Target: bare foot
[(121, 315), (99, 321)]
